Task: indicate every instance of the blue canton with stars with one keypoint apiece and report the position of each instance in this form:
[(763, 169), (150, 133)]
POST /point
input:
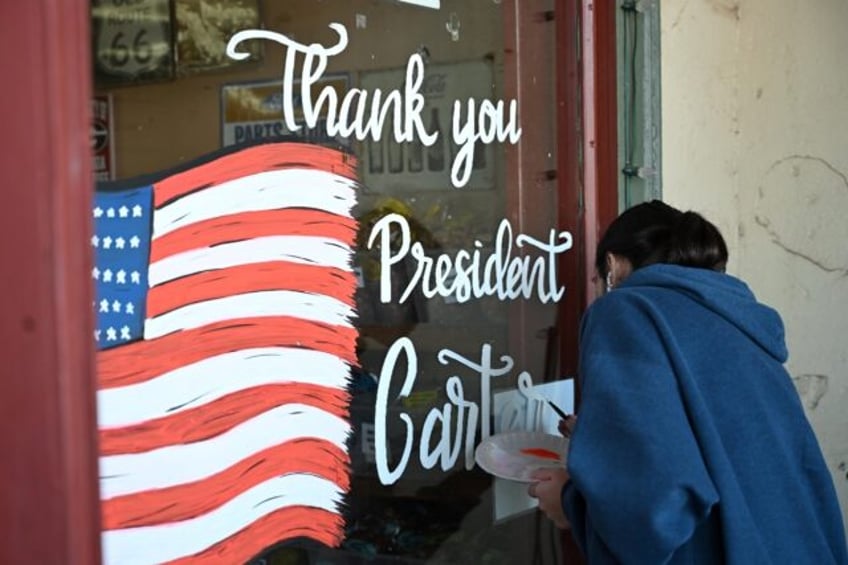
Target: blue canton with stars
[(121, 242)]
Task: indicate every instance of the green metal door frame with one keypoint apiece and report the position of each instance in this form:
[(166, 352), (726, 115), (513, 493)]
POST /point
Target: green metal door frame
[(639, 101)]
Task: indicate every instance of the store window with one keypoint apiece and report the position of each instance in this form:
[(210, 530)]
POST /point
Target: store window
[(327, 244)]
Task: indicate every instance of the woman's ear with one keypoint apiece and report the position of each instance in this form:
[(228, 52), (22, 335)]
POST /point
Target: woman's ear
[(611, 260), (619, 268)]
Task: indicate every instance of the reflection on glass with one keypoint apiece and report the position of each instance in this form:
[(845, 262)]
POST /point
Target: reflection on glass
[(479, 156), (394, 149), (416, 156), (375, 156), (436, 153)]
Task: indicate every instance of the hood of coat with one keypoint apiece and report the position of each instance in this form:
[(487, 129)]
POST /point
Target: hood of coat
[(721, 293)]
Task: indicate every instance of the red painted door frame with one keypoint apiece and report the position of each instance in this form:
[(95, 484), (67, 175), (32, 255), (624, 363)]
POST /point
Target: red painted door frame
[(586, 165), (600, 126), (587, 129), (585, 172), (49, 508)]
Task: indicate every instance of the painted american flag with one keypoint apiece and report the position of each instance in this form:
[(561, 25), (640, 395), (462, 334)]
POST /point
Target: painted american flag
[(225, 340)]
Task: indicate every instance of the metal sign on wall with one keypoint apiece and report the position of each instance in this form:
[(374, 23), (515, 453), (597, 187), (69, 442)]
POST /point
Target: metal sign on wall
[(102, 138), (132, 41), (203, 29)]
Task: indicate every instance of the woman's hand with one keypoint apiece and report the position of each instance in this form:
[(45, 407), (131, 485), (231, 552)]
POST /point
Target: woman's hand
[(547, 487), (566, 426)]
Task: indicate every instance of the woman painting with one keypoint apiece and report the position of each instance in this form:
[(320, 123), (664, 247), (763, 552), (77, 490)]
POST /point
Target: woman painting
[(691, 444)]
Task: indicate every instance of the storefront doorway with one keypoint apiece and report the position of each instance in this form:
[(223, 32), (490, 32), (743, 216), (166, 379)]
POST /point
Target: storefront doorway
[(328, 261)]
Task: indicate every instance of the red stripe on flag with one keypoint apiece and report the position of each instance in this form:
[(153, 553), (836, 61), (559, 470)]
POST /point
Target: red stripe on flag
[(251, 161), (288, 523), (143, 360), (249, 225), (210, 420), (255, 277), (190, 500)]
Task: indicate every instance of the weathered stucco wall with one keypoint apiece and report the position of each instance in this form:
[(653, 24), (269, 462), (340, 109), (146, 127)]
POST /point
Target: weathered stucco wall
[(755, 126)]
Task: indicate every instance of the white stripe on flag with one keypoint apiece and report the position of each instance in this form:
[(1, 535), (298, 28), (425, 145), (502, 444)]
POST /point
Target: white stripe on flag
[(314, 307), (301, 249), (205, 381), (158, 544), (180, 464), (273, 190)]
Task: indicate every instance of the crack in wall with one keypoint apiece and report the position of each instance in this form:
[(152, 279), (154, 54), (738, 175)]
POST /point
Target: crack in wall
[(814, 158), (775, 237), (676, 21)]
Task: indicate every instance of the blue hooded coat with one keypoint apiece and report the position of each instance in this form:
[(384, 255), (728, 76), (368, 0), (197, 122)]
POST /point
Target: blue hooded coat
[(691, 444)]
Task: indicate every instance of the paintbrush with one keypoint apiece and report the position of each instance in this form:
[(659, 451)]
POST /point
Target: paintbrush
[(560, 412)]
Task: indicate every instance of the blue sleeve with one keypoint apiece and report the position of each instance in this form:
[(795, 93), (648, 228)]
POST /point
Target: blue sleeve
[(633, 458)]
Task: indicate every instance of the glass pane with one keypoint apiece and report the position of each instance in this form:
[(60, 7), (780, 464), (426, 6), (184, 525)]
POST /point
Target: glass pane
[(326, 273)]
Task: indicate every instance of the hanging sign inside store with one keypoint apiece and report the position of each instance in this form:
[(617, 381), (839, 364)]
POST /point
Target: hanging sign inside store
[(363, 114), (435, 4), (253, 111), (132, 40)]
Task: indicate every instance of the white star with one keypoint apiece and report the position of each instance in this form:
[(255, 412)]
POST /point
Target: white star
[(96, 335), (121, 277), (134, 241), (130, 309), (104, 305), (110, 213), (111, 334), (95, 241), (136, 211), (95, 273), (123, 211), (135, 277), (98, 212), (125, 332), (107, 242), (107, 275), (119, 243), (116, 306)]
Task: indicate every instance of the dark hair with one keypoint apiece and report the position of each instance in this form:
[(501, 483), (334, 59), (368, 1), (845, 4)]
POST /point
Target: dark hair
[(655, 232)]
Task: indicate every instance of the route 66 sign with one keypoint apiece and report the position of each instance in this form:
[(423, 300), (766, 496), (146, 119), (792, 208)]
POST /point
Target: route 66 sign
[(132, 40)]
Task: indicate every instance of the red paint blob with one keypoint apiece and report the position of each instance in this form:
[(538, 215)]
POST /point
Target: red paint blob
[(541, 452)]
